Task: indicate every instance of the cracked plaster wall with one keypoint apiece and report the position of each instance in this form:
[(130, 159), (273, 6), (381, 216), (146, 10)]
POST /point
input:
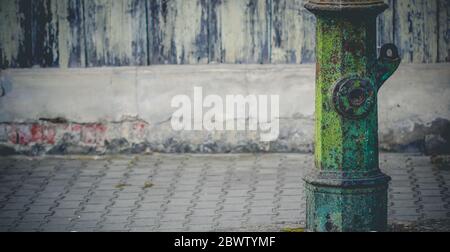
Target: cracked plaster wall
[(127, 109)]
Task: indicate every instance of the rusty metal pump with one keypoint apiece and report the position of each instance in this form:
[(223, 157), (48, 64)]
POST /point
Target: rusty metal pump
[(347, 191)]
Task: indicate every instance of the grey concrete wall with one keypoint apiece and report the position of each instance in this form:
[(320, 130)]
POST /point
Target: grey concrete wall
[(127, 109)]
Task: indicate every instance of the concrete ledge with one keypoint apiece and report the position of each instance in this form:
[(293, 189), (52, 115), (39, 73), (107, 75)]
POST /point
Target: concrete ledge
[(120, 110)]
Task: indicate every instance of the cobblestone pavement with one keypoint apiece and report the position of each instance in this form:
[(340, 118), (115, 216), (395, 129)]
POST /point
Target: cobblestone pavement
[(191, 192)]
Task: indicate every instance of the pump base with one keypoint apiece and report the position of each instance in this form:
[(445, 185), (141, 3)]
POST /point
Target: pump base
[(338, 205)]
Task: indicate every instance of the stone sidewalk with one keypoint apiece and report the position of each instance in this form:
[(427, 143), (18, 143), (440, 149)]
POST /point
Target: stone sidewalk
[(191, 192)]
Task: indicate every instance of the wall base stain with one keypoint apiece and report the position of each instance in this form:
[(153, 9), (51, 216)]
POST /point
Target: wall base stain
[(58, 136)]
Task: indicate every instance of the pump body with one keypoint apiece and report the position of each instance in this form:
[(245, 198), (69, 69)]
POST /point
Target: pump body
[(347, 191)]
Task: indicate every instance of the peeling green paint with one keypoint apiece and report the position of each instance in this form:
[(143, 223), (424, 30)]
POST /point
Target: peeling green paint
[(347, 191)]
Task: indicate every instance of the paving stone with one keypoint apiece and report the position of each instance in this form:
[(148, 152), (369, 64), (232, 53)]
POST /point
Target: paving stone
[(199, 228), (120, 211), (143, 229), (405, 204), (172, 217), (7, 221), (291, 205), (82, 228), (289, 214), (230, 224), (432, 199), (174, 230), (406, 218), (289, 199), (26, 226), (201, 220), (209, 196), (199, 212), (405, 211), (145, 214), (100, 200), (180, 202), (58, 221), (260, 219), (225, 215), (263, 196), (435, 207), (110, 219), (149, 206), (262, 211), (124, 203), (291, 192), (171, 225), (64, 204), (206, 204), (89, 208), (89, 217), (144, 222), (264, 189), (46, 195), (52, 228), (177, 209), (14, 206), (236, 201), (9, 214), (262, 203), (437, 214), (401, 197), (80, 223), (64, 213), (74, 198), (132, 189), (182, 195), (28, 217), (431, 193), (233, 208)]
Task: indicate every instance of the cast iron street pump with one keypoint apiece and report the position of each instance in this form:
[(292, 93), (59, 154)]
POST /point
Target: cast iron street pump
[(347, 191)]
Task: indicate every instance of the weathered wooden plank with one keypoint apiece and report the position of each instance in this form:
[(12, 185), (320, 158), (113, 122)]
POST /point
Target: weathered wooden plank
[(243, 29), (385, 25), (178, 31), (214, 32), (71, 38), (44, 32), (309, 42), (416, 30), (15, 35), (293, 32), (444, 30), (115, 32)]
